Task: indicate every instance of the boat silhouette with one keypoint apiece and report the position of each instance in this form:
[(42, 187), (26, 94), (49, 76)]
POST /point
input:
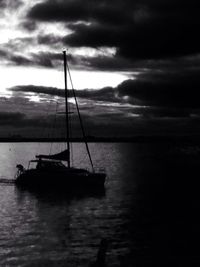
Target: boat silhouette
[(51, 172)]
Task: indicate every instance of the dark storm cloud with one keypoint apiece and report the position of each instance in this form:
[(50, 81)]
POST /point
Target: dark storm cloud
[(163, 112), (108, 63), (179, 90), (93, 35), (139, 29), (105, 11), (104, 94), (158, 94), (38, 89), (50, 59)]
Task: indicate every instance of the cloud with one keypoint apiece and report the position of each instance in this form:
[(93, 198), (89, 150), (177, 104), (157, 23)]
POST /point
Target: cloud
[(10, 4), (36, 119), (3, 53), (11, 118), (104, 94), (138, 29), (20, 60), (2, 3), (154, 42), (161, 94), (49, 39), (144, 34), (20, 124), (28, 25), (38, 89), (152, 94), (105, 112), (150, 112), (93, 35), (178, 90), (58, 11), (18, 44), (11, 56), (26, 117)]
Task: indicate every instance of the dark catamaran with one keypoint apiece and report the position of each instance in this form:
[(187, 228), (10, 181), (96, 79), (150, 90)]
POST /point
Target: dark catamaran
[(50, 172)]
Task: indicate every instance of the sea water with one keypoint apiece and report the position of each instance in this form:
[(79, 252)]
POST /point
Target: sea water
[(149, 213)]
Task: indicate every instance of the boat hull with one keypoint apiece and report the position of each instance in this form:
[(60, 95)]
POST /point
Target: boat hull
[(73, 179)]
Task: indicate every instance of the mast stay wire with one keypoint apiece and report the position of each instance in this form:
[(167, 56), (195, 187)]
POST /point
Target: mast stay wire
[(54, 125), (80, 119), (70, 130)]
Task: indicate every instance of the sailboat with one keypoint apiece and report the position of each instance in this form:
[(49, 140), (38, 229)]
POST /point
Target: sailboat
[(51, 172)]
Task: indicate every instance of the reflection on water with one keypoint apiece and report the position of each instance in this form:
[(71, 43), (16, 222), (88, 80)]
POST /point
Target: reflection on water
[(149, 212)]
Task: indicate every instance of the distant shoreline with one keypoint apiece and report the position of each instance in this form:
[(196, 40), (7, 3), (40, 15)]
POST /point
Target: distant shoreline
[(134, 139)]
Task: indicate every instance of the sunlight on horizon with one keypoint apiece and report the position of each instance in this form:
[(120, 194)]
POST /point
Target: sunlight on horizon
[(13, 76)]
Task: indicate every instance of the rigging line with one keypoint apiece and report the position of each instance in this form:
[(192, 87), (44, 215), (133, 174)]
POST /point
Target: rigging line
[(66, 106), (54, 126), (80, 119), (70, 130), (71, 147), (70, 134)]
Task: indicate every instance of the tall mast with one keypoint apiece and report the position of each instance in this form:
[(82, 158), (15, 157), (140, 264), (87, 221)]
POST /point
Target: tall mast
[(80, 120), (66, 106)]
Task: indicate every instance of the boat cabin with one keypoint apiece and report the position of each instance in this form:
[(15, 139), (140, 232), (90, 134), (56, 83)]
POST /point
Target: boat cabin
[(41, 164)]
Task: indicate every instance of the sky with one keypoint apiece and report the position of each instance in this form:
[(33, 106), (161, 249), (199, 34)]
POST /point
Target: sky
[(135, 66)]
